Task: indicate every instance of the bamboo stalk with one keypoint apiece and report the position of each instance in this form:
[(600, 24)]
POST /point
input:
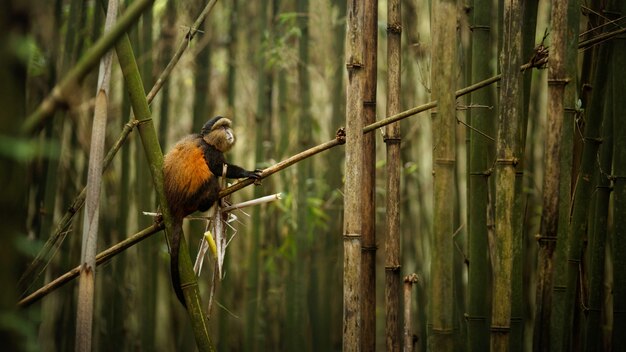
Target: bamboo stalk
[(443, 78), (505, 169), (567, 157), (598, 229), (409, 337), (353, 194), (481, 154), (368, 186), (557, 81), (392, 140), (618, 338), (154, 156), (87, 282)]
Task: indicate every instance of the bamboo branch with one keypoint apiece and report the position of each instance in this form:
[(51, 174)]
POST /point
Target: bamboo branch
[(101, 258), (179, 52)]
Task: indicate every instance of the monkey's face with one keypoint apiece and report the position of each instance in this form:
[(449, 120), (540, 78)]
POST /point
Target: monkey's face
[(221, 135)]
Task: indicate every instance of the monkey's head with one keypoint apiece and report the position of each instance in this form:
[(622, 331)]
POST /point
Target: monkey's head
[(218, 133)]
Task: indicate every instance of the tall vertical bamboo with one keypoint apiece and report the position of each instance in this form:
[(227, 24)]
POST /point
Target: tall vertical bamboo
[(392, 140), (480, 160), (353, 193), (168, 33), (443, 78), (583, 192), (521, 258), (86, 284), (154, 156), (261, 118), (598, 229), (331, 328), (619, 189), (368, 274), (565, 193), (505, 168), (149, 251), (297, 312), (557, 81)]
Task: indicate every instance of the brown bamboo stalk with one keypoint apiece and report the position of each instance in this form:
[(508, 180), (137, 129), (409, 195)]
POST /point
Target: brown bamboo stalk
[(409, 337), (368, 266), (392, 140), (550, 210), (87, 282), (353, 194)]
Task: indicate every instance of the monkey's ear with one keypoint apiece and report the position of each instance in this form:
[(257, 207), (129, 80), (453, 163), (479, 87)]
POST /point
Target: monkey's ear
[(209, 125)]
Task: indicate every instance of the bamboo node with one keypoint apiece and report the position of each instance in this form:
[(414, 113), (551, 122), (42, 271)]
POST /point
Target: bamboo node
[(392, 268), (511, 161), (542, 239), (369, 248), (443, 161), (391, 140), (500, 329), (480, 28), (474, 317), (369, 103), (558, 82)]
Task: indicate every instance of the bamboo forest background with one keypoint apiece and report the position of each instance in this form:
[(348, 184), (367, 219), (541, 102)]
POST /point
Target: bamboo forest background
[(507, 203)]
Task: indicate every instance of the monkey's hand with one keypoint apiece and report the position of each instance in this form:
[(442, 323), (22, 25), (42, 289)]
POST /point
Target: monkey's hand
[(256, 174)]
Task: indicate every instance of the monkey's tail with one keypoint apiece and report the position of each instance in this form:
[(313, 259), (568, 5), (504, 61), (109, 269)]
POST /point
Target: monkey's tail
[(175, 247)]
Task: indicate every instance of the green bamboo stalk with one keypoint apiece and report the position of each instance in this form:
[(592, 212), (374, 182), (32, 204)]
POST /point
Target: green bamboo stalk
[(368, 186), (63, 90), (583, 192), (392, 140), (565, 192), (167, 37), (619, 189), (145, 199), (599, 227), (505, 169), (262, 118), (301, 274), (443, 17), (353, 194), (154, 156), (552, 176), (518, 290), (481, 155)]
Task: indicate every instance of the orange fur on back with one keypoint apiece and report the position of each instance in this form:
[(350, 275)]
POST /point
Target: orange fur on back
[(186, 168)]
